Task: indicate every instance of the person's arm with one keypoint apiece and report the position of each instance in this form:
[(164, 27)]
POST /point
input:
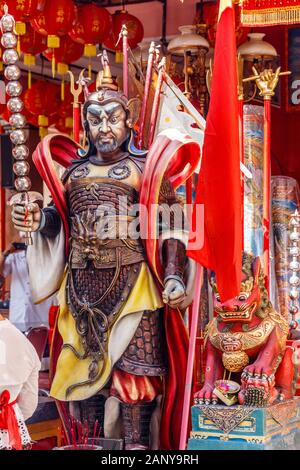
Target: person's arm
[(2, 261), (28, 397), (5, 261), (5, 264)]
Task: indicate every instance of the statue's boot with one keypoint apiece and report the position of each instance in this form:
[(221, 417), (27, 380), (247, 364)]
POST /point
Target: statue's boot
[(136, 423)]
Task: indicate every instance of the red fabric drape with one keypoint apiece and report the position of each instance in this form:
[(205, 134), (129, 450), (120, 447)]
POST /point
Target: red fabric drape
[(177, 161), (8, 420), (219, 188)]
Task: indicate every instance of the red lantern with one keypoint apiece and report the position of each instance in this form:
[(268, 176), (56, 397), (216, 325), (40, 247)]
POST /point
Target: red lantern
[(32, 42), (91, 26), (55, 19), (66, 106), (64, 118), (43, 98), (21, 10), (33, 119), (210, 15), (64, 124), (30, 118), (134, 27), (68, 51)]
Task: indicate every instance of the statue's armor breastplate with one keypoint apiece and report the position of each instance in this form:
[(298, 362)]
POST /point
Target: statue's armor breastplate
[(102, 208), (102, 270)]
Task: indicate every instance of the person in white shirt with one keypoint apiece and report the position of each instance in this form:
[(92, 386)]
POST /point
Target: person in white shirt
[(23, 313), (19, 370)]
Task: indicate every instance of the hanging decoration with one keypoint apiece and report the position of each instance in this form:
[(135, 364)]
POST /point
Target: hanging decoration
[(294, 266), (68, 52), (54, 21), (285, 198), (270, 12), (31, 44), (43, 100), (64, 124), (31, 118), (91, 27), (65, 108), (22, 11), (64, 119), (17, 120), (135, 32)]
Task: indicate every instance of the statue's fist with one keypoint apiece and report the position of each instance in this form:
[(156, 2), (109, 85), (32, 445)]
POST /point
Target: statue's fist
[(174, 293), (26, 218)]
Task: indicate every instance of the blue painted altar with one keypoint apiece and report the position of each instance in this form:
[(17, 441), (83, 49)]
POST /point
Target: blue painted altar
[(218, 427)]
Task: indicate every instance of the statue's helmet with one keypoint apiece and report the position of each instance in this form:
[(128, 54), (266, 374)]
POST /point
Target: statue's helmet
[(107, 91)]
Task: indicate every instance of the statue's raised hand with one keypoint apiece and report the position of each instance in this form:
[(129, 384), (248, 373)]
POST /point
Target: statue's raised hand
[(26, 218), (266, 81)]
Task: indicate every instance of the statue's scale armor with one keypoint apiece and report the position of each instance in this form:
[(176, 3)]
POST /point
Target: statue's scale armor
[(103, 200)]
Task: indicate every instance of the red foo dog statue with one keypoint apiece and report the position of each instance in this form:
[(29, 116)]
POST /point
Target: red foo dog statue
[(247, 339)]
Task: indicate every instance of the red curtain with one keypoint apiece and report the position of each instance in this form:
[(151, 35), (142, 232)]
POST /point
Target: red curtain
[(270, 12), (219, 188)]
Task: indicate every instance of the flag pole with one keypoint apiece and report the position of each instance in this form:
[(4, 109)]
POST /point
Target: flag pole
[(189, 202), (152, 52), (241, 132), (124, 34), (266, 188), (266, 82), (155, 107), (222, 251), (76, 92), (191, 358)]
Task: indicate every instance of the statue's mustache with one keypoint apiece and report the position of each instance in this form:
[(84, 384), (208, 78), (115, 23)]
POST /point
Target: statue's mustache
[(108, 135)]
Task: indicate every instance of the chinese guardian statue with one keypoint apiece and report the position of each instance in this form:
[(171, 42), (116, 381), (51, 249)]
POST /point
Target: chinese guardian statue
[(119, 330), (246, 340)]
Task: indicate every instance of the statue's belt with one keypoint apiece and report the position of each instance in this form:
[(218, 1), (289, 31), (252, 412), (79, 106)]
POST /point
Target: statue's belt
[(105, 254)]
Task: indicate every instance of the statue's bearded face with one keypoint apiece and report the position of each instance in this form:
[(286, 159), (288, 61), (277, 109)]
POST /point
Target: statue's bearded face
[(107, 126)]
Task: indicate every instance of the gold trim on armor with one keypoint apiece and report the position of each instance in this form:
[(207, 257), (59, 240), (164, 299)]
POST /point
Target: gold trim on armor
[(235, 344), (105, 180)]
